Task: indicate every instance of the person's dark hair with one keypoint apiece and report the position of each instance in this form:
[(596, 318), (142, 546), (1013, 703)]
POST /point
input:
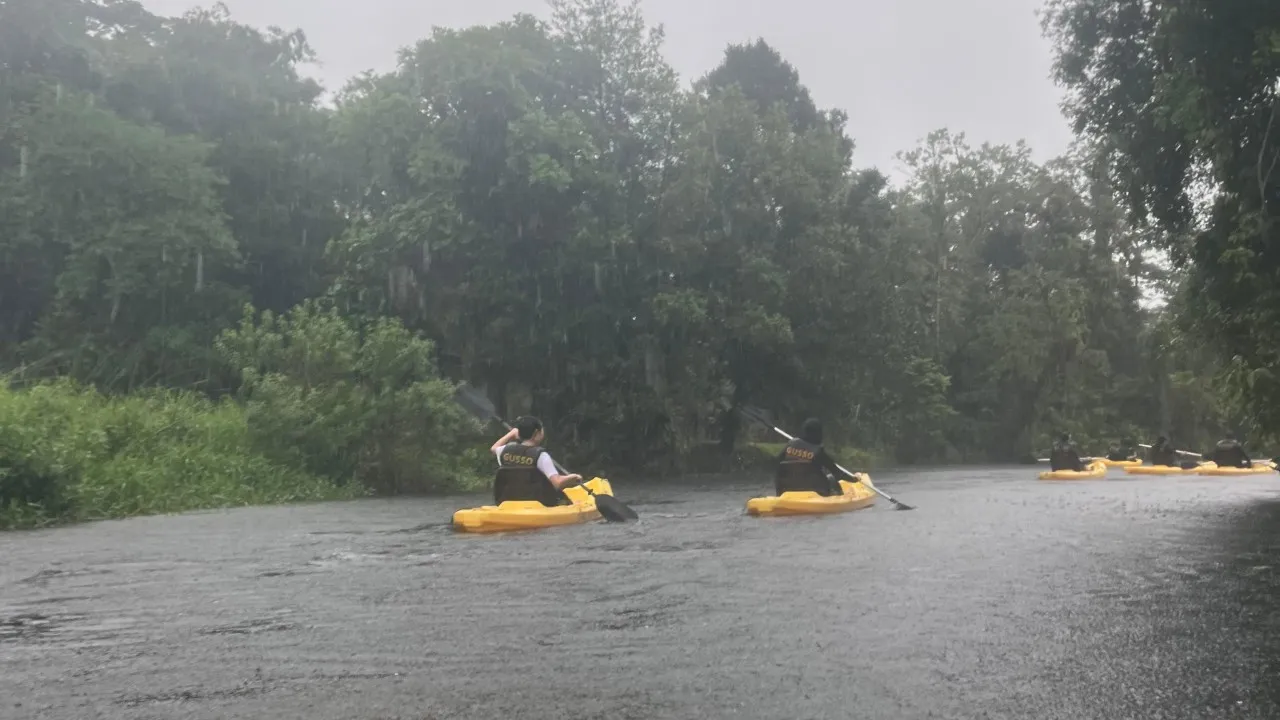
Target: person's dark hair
[(1230, 435), (1162, 440), (1064, 437), (811, 431), (528, 426)]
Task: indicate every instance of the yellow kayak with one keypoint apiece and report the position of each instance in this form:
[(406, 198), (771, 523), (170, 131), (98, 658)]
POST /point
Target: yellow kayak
[(856, 497), (531, 515), (1160, 470), (1260, 467), (1122, 463), (1096, 469)]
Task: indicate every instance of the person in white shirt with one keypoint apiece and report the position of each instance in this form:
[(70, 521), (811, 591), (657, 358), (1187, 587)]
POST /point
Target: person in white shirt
[(526, 470)]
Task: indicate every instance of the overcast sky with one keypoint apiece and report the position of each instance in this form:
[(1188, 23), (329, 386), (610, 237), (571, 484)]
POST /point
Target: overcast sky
[(900, 68)]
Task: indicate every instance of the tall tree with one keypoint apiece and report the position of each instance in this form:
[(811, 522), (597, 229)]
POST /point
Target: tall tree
[(767, 80), (122, 227), (242, 90), (1186, 96)]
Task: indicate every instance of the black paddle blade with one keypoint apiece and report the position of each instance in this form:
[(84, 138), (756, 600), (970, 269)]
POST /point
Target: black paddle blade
[(899, 505), (614, 510)]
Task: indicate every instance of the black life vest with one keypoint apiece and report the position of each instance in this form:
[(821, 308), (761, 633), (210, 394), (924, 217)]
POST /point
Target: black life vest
[(1065, 457), (799, 469), (1163, 455), (1230, 453), (520, 479)]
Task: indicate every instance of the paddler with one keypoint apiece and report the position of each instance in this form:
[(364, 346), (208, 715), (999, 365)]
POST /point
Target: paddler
[(805, 465), (1123, 451), (1064, 455), (526, 470), (1164, 453), (1230, 453)]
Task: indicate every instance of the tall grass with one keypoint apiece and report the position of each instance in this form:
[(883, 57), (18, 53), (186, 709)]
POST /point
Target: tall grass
[(69, 453)]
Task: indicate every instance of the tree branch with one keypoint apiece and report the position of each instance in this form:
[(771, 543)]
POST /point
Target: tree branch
[(1265, 177)]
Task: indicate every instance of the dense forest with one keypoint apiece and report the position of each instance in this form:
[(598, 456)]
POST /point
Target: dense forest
[(210, 265)]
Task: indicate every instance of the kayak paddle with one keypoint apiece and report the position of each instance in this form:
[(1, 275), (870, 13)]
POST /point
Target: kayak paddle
[(475, 402), (1178, 451), (866, 480), (1198, 455)]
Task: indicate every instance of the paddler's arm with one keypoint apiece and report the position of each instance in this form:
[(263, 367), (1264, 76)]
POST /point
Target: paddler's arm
[(548, 467), (503, 441)]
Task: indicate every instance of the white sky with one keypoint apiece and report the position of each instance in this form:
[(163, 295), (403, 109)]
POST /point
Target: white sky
[(900, 68)]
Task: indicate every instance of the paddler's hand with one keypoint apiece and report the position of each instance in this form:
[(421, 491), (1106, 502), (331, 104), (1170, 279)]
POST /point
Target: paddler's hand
[(567, 481)]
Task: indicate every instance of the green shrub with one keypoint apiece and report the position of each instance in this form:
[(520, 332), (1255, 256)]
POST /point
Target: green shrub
[(70, 453), (47, 440), (360, 404)]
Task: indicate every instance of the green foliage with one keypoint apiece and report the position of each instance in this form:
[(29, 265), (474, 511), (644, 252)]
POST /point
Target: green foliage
[(70, 453), (360, 405), (631, 259), (1183, 99), (111, 228)]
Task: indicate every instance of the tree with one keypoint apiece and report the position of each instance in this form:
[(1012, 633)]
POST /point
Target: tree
[(767, 80), (116, 228), (357, 403), (546, 207), (1185, 97), (240, 89)]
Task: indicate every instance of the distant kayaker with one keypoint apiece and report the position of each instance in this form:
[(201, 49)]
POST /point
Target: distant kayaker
[(1127, 450), (805, 465), (526, 470), (1123, 451), (1164, 453), (1230, 453), (1064, 455)]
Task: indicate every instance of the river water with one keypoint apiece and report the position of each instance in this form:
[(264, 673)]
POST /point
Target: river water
[(999, 597)]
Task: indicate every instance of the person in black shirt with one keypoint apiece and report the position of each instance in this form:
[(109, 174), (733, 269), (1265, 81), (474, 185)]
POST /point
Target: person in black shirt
[(1230, 453), (1064, 455), (805, 465), (1163, 453), (1123, 451)]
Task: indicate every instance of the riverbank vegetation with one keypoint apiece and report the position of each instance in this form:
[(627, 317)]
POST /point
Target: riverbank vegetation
[(542, 209)]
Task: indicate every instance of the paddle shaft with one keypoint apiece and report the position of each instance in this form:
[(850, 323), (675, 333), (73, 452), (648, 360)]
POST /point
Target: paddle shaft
[(1180, 452)]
